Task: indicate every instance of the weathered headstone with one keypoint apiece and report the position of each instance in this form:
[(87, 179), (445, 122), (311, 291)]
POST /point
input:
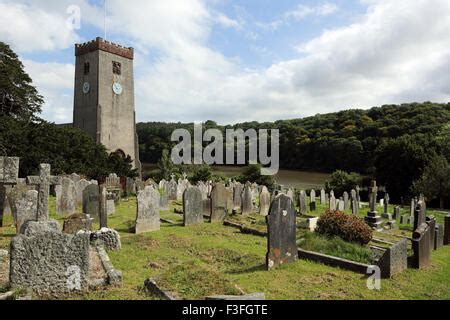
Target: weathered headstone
[(386, 203), (103, 206), (421, 246), (66, 195), (312, 196), (91, 201), (219, 210), (264, 201), (192, 206), (439, 237), (373, 219), (355, 204), (396, 213), (247, 201), (332, 202), (237, 195), (420, 214), (322, 197), (80, 186), (77, 222), (9, 174), (49, 262), (346, 202), (147, 216), (302, 202), (173, 186), (43, 183), (26, 209), (341, 205), (281, 227)]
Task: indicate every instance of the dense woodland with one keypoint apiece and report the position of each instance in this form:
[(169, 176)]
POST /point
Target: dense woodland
[(393, 143)]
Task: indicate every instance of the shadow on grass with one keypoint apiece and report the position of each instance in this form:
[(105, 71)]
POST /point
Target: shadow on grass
[(260, 267)]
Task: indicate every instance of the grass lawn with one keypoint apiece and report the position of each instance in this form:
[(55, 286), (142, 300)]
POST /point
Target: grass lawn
[(213, 259)]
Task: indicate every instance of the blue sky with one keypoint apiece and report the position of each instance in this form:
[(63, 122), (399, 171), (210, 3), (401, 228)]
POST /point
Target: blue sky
[(233, 61)]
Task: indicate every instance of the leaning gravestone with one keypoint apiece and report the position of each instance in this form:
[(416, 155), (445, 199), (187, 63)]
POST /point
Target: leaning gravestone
[(264, 202), (48, 262), (281, 228), (66, 197), (247, 202), (91, 201), (147, 215), (26, 209), (192, 206), (219, 210)]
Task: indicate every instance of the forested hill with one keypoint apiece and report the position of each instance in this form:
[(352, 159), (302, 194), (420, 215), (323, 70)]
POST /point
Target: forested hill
[(347, 140), (393, 143)]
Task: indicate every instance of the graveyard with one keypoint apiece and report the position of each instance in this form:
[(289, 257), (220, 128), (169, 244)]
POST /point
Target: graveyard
[(189, 257)]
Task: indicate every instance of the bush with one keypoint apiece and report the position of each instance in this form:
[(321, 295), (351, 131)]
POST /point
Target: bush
[(349, 228), (342, 181)]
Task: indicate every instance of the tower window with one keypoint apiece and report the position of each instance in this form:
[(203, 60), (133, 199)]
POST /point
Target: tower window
[(117, 68), (87, 68)]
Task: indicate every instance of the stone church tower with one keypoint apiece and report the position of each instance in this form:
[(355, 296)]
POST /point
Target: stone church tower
[(104, 96)]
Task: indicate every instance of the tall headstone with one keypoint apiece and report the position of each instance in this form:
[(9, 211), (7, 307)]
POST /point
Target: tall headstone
[(354, 202), (340, 204), (147, 213), (237, 195), (346, 201), (302, 202), (332, 201), (322, 197), (386, 203), (264, 201), (192, 206), (219, 210), (173, 192), (91, 201), (373, 219), (312, 196), (447, 231), (80, 186), (9, 174), (421, 246), (281, 227), (103, 206), (420, 214), (66, 195), (43, 183), (247, 201), (26, 208)]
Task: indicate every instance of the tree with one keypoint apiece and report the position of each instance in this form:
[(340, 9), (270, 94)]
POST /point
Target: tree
[(18, 97), (201, 173), (253, 174), (342, 181), (435, 181)]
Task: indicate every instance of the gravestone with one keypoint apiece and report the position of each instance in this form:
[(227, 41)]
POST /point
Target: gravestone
[(26, 208), (264, 201), (420, 214), (332, 202), (237, 195), (49, 262), (74, 177), (431, 221), (311, 224), (396, 213), (43, 183), (302, 202), (281, 230), (219, 210), (230, 202), (247, 201), (291, 194), (341, 204), (164, 200), (421, 246), (103, 206), (373, 219), (147, 213), (358, 196), (9, 174), (346, 202), (80, 186), (91, 201), (439, 237), (110, 204), (77, 222), (322, 197), (354, 201), (447, 230), (66, 197), (312, 196), (386, 203), (173, 186), (192, 206)]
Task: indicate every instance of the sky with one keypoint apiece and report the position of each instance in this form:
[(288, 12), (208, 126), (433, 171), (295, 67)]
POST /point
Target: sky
[(242, 60)]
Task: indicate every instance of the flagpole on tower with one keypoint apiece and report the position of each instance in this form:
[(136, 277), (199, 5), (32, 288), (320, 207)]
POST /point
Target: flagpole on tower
[(105, 3)]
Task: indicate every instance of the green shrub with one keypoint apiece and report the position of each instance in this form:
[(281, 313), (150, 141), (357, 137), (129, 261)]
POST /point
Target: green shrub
[(348, 227)]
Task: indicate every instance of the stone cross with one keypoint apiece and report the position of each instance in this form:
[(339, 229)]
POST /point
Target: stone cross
[(43, 182), (373, 196), (9, 174)]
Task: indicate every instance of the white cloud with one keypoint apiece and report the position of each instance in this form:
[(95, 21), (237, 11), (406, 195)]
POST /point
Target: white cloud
[(398, 51)]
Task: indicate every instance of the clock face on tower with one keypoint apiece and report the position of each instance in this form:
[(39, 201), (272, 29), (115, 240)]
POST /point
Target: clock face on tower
[(86, 87), (117, 88)]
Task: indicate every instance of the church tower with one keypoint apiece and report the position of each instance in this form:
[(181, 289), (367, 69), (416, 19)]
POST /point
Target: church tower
[(104, 96)]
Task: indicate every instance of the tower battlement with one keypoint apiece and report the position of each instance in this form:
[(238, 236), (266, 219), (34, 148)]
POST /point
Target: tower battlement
[(103, 45)]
